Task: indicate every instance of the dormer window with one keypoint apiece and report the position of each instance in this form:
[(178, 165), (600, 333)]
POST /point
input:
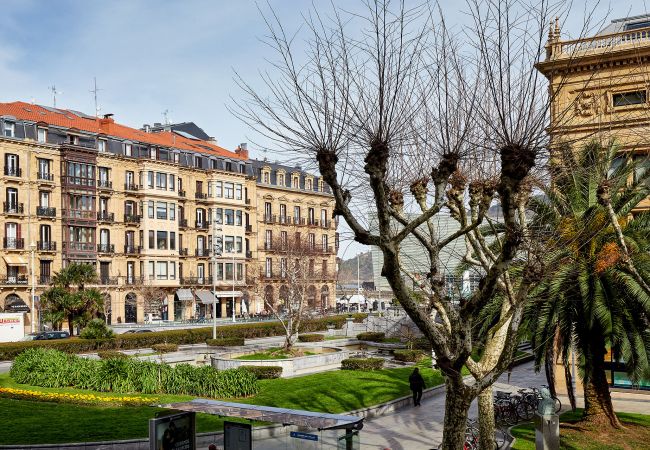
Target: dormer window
[(152, 153), (309, 184), (128, 149), (41, 135), (320, 185), (72, 139), (266, 177), (9, 129), (295, 183), (281, 179), (101, 145)]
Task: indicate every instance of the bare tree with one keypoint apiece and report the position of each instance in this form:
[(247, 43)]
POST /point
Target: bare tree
[(408, 123), (152, 297), (288, 287)]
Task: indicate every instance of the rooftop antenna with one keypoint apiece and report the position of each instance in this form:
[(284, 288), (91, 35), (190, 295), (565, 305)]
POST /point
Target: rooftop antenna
[(94, 92), (165, 114), (54, 94)]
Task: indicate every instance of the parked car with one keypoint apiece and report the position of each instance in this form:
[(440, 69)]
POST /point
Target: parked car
[(46, 336)]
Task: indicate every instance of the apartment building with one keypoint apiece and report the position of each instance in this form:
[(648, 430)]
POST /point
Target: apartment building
[(143, 206), (295, 207), (600, 86)]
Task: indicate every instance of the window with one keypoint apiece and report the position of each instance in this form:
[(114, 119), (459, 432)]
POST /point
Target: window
[(45, 233), (128, 149), (238, 244), (219, 271), (240, 271), (81, 174), (324, 268), (44, 199), (629, 98), (281, 179), (229, 274), (296, 182), (268, 211), (152, 153), (129, 178), (200, 243), (309, 184), (238, 218), (325, 242), (210, 191), (283, 213), (12, 198), (161, 210), (172, 270), (162, 270), (161, 240), (218, 189), (284, 239), (268, 240), (150, 179), (229, 217), (311, 268), (151, 239), (296, 214), (310, 215), (323, 217), (219, 215), (269, 268), (41, 135), (229, 190), (172, 211), (161, 180), (229, 244), (265, 177), (238, 192), (12, 165), (45, 271), (172, 183), (101, 145), (172, 240), (312, 241), (150, 209), (283, 267), (199, 187), (104, 237), (43, 168), (637, 25), (9, 129)]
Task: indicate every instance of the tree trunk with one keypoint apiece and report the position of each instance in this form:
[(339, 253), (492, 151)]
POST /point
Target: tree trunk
[(457, 401), (70, 325), (598, 401), (486, 420)]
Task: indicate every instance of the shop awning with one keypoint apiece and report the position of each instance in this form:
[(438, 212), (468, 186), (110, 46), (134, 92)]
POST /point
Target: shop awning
[(16, 304), (206, 297), (229, 294), (307, 419), (15, 260), (185, 295)]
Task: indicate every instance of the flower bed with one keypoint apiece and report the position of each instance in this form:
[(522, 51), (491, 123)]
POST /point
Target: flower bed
[(81, 399)]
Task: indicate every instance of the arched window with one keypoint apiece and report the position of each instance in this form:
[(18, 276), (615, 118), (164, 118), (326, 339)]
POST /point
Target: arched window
[(14, 304), (130, 308), (311, 297), (324, 296), (269, 296), (284, 294)]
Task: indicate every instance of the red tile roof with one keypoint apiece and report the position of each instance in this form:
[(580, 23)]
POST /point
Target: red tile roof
[(68, 119)]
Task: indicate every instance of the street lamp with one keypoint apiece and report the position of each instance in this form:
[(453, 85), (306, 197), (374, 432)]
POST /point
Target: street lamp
[(32, 249), (234, 272)]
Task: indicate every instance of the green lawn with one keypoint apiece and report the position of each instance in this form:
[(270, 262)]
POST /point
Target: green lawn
[(574, 435), (271, 353), (333, 392)]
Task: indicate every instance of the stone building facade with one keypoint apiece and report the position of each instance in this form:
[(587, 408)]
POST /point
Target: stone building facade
[(142, 206)]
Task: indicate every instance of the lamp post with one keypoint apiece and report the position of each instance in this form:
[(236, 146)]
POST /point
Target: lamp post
[(234, 272), (216, 251), (32, 250)]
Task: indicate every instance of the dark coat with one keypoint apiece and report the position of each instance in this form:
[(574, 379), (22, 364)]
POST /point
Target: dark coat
[(416, 381)]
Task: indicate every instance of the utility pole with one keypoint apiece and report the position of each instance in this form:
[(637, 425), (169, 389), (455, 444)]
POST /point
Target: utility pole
[(32, 249), (234, 271), (216, 251)]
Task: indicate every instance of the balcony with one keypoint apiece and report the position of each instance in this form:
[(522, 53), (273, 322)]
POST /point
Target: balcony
[(78, 182), (201, 196), (249, 229), (45, 176), (130, 187), (132, 219), (195, 280), (13, 171), (284, 220), (10, 243), (201, 225), (182, 223), (14, 279), (87, 247), (202, 252), (104, 185), (44, 279), (312, 222), (105, 216), (268, 218), (132, 279), (45, 211), (132, 250), (183, 252), (78, 214), (182, 194), (13, 208), (105, 248), (46, 246), (107, 281), (326, 223)]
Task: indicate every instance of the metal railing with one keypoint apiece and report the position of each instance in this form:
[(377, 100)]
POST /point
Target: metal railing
[(45, 211), (44, 176), (13, 243), (132, 250), (13, 171), (105, 216), (13, 208), (46, 246), (104, 184), (131, 218), (105, 248)]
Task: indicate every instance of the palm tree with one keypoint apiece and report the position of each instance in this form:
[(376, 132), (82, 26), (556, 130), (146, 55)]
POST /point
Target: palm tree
[(592, 299), (78, 305)]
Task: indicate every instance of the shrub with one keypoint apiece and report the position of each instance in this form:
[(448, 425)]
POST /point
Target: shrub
[(164, 348), (225, 342), (359, 317), (52, 368), (265, 372), (422, 343), (111, 354), (362, 364), (311, 337), (409, 355), (371, 336), (96, 329), (9, 350)]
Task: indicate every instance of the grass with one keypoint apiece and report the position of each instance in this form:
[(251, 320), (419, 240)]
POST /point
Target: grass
[(334, 338), (333, 392), (272, 353), (581, 436)]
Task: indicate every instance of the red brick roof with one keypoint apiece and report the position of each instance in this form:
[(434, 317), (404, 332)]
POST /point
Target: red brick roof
[(68, 119)]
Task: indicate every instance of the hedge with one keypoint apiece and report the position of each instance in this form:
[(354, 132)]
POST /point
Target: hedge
[(409, 355), (164, 348), (311, 337), (264, 372), (55, 369), (371, 336), (111, 354), (225, 342), (362, 364), (9, 350), (422, 343)]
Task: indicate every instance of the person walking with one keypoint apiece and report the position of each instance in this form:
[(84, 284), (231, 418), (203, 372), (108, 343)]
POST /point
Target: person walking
[(416, 383)]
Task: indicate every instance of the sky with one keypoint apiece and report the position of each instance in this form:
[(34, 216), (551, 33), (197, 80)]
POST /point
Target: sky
[(151, 56)]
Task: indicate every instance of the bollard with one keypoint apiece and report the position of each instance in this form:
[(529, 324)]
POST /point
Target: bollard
[(547, 431)]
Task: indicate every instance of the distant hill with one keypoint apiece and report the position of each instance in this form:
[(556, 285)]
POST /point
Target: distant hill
[(348, 268)]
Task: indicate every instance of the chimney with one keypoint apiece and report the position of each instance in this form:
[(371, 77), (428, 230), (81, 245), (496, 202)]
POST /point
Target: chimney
[(105, 123), (242, 150), (146, 128)]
